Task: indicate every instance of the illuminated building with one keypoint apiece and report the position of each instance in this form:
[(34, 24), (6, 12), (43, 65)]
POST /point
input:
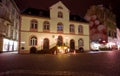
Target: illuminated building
[(43, 30), (9, 25), (102, 24)]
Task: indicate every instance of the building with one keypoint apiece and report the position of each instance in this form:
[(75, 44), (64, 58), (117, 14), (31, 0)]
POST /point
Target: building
[(9, 25), (102, 24), (43, 30), (118, 38)]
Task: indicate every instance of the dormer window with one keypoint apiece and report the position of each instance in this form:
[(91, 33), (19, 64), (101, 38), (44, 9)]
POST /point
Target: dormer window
[(60, 14), (59, 7)]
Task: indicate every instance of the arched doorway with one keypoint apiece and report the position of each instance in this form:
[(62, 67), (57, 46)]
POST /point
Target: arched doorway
[(33, 50), (60, 41), (46, 44), (72, 44)]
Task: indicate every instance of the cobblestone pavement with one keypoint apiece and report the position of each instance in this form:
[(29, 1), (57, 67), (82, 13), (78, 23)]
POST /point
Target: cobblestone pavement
[(82, 64)]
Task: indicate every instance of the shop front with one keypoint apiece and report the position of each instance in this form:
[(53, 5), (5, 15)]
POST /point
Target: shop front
[(9, 45)]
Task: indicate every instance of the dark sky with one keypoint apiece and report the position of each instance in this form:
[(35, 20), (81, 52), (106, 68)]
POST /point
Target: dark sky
[(78, 7)]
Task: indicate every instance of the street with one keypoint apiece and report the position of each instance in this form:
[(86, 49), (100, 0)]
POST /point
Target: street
[(81, 64)]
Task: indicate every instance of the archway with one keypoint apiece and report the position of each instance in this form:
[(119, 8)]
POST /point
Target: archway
[(72, 45), (33, 50), (46, 44), (60, 41)]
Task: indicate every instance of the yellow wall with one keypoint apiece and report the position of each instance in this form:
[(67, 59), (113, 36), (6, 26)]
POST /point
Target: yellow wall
[(53, 20)]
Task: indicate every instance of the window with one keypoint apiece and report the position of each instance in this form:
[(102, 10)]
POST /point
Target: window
[(46, 25), (33, 41), (80, 42), (60, 27), (11, 32), (80, 29), (72, 28), (34, 25), (60, 14), (59, 7)]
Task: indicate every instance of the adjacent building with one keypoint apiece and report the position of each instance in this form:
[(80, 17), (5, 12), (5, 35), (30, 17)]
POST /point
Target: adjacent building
[(43, 30), (102, 24), (9, 25)]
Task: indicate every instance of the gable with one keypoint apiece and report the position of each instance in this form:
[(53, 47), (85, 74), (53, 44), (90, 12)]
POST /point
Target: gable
[(59, 5)]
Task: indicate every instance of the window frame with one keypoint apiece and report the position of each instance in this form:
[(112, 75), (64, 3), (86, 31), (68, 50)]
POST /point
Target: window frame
[(60, 14), (72, 29), (34, 25), (60, 27), (33, 42), (46, 26), (80, 29)]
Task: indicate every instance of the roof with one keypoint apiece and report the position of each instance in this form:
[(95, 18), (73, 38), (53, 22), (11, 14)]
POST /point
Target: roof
[(36, 12), (44, 13)]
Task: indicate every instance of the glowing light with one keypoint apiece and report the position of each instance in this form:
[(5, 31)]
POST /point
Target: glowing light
[(9, 45), (95, 46), (62, 49), (59, 47), (110, 44), (68, 50), (65, 47), (104, 41)]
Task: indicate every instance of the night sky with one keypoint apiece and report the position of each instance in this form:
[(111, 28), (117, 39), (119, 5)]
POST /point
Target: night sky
[(77, 7)]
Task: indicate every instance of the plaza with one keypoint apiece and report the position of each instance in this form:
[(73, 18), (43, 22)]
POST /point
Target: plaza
[(80, 64)]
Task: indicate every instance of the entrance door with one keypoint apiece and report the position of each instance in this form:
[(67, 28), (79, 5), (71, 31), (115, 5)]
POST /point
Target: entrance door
[(72, 44), (46, 44), (59, 41)]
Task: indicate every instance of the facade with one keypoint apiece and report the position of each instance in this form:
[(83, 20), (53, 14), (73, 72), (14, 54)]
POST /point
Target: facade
[(102, 24), (9, 25), (118, 38), (44, 30)]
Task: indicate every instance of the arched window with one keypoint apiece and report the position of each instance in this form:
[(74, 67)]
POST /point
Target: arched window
[(80, 43), (72, 30), (33, 41), (46, 44), (60, 27), (34, 25), (80, 29), (46, 26), (60, 14)]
